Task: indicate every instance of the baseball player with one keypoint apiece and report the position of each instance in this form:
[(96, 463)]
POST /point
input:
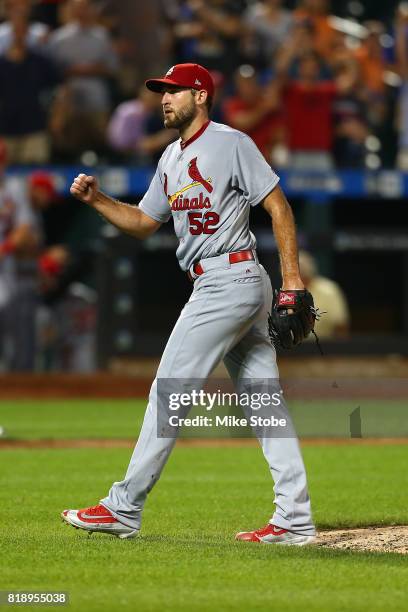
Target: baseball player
[(207, 181)]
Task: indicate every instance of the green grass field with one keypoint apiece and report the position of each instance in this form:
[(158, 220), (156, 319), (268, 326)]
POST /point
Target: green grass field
[(70, 419), (186, 557)]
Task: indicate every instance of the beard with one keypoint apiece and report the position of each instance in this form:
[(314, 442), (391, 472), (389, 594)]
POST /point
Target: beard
[(182, 118)]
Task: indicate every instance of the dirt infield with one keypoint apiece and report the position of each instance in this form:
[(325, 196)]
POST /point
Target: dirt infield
[(11, 444), (57, 386), (370, 539), (128, 378)]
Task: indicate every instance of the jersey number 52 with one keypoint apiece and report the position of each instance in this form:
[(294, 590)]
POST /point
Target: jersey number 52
[(203, 223)]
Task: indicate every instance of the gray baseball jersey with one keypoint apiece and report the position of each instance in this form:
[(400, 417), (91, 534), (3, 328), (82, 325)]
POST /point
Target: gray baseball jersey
[(208, 185)]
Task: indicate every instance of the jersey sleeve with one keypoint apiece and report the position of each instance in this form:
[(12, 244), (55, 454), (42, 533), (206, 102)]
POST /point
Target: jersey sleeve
[(155, 203), (251, 173)]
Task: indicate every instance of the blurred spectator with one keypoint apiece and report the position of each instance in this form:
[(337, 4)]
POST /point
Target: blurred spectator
[(373, 65), (26, 82), (308, 101), (212, 31), (317, 14), (54, 255), (41, 188), (55, 214), (402, 60), (74, 319), (255, 110), (19, 238), (350, 117), (136, 128), (300, 43), (269, 26), (84, 51), (328, 297), (143, 37), (342, 52), (17, 11), (370, 55), (66, 313), (38, 271)]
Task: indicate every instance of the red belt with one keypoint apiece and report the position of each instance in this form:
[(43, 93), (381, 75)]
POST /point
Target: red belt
[(236, 257)]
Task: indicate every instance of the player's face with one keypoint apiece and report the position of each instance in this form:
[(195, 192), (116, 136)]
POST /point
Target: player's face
[(179, 107)]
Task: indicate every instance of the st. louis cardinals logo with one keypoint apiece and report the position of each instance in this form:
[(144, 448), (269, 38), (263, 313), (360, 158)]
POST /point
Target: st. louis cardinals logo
[(195, 174), (177, 202)]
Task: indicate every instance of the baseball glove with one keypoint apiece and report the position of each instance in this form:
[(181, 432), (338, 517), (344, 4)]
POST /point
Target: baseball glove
[(292, 318)]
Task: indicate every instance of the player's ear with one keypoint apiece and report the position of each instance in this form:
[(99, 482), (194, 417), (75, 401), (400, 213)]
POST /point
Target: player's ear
[(201, 97)]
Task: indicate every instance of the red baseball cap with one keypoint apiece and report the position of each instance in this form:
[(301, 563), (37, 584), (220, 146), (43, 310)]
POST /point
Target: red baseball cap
[(184, 75), (46, 181)]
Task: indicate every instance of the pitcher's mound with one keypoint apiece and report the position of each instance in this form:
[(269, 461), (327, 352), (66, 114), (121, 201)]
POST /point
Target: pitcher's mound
[(370, 539)]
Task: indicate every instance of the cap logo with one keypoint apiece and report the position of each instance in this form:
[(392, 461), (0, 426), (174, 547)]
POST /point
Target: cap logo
[(170, 71), (197, 82)]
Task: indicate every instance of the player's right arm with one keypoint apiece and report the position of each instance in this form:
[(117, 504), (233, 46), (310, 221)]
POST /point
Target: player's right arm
[(129, 219)]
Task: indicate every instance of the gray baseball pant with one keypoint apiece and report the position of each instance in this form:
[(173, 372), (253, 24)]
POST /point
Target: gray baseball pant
[(225, 318)]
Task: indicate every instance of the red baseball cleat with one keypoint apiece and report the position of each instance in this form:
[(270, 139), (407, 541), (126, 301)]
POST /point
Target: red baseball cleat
[(270, 534), (98, 518)]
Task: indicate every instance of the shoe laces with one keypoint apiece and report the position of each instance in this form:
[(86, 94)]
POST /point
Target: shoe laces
[(97, 510), (264, 530)]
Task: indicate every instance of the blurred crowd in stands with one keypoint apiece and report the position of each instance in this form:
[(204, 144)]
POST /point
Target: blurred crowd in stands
[(313, 89), (47, 317)]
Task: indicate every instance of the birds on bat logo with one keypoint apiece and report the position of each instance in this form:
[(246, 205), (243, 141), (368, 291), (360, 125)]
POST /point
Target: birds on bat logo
[(178, 202)]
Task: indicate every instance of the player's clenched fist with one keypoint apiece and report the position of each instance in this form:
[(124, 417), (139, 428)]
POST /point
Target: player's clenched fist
[(85, 188)]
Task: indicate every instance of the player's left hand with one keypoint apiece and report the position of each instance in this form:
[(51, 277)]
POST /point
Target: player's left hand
[(292, 318)]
